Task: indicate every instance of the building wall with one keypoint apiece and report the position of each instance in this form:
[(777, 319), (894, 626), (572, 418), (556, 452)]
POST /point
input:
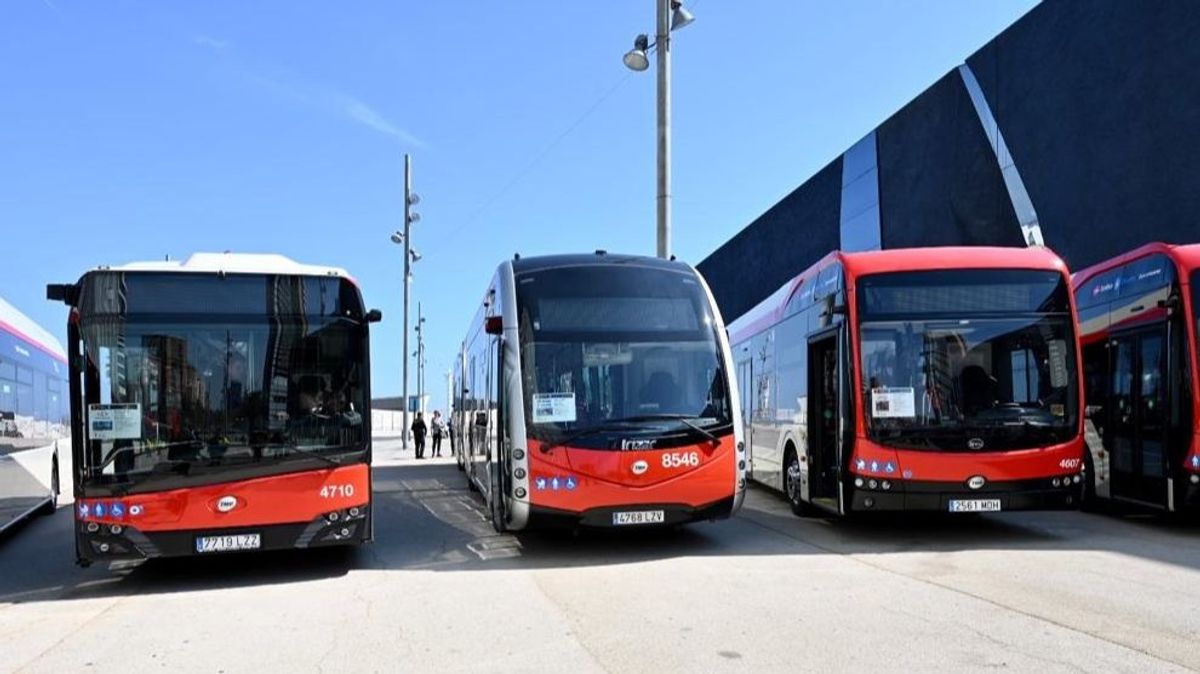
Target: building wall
[(1097, 103)]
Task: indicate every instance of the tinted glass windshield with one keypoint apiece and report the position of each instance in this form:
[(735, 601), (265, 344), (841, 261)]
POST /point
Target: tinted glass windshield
[(1196, 304), (175, 394), (989, 366), (609, 351)]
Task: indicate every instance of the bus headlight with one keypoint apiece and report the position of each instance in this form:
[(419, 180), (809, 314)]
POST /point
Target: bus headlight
[(92, 527), (858, 482), (886, 485), (872, 484), (1055, 482), (1195, 479), (116, 529)]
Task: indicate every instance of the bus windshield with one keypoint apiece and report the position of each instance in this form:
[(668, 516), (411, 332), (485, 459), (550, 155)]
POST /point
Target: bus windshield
[(1196, 307), (612, 351), (957, 360), (192, 392)]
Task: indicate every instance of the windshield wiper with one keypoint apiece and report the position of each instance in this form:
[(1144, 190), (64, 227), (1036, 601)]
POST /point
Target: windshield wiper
[(617, 425), (301, 450), (142, 450), (685, 419)]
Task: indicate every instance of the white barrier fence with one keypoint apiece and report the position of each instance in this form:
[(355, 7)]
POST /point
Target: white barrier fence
[(386, 422)]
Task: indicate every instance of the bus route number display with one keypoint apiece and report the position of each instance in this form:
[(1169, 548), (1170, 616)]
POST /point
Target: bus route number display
[(893, 402), (116, 421)]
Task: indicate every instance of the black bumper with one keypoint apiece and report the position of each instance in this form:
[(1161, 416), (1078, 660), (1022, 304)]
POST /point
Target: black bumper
[(602, 518), (105, 543), (936, 496)]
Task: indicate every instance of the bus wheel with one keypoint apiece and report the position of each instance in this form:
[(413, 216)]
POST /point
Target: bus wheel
[(1088, 501), (52, 504), (791, 483), (499, 516)]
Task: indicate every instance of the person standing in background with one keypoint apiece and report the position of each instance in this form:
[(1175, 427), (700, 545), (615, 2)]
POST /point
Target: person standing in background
[(419, 429), (437, 426)]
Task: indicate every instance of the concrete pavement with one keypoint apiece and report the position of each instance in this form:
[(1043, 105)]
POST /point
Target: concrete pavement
[(766, 591)]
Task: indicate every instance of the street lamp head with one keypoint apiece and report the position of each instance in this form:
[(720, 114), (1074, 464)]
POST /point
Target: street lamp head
[(413, 198), (414, 254), (636, 59), (414, 217), (680, 17), (397, 236)]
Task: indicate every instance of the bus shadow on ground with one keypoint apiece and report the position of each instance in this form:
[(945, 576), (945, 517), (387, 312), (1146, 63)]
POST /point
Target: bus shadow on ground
[(425, 519), (434, 523)]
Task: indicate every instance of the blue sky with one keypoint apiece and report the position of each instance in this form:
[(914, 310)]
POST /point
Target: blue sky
[(134, 129)]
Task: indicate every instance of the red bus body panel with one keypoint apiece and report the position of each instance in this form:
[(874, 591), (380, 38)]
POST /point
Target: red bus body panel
[(601, 478), (279, 499)]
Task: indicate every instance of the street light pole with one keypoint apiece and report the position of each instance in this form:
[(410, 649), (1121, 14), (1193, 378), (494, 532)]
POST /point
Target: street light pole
[(420, 354), (669, 16), (663, 39), (407, 283)]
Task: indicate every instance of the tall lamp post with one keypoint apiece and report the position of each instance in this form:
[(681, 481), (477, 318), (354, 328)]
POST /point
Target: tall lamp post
[(404, 237), (420, 355), (670, 16)]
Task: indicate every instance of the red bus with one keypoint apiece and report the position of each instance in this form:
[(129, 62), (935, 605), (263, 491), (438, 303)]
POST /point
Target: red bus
[(938, 379), (595, 391), (218, 404), (1137, 324)]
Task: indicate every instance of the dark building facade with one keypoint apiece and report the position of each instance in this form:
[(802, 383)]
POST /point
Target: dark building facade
[(1077, 127)]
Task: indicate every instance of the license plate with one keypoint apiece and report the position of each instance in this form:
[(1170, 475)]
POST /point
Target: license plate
[(228, 543), (975, 505), (639, 517)]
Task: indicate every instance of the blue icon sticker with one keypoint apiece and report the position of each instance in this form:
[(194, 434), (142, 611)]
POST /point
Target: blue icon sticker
[(554, 483), (99, 510), (874, 466), (135, 510), (84, 509), (571, 484), (1196, 461), (539, 483), (861, 464), (907, 474), (118, 509), (889, 468)]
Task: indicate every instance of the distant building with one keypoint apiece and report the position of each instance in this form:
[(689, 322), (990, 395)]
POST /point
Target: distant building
[(1075, 126)]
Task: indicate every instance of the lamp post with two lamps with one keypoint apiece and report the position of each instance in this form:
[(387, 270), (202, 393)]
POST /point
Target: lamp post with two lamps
[(404, 237), (670, 16)]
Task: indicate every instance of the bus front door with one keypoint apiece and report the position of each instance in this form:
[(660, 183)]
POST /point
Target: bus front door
[(824, 396), (1137, 429)]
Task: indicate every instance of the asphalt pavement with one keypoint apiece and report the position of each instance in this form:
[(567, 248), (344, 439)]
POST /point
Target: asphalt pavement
[(766, 591)]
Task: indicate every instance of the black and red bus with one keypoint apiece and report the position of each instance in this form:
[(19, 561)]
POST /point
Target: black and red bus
[(217, 404), (1137, 318), (938, 379), (595, 391)]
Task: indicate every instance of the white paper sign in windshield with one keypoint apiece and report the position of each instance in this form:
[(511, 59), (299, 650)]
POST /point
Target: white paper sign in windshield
[(553, 407), (893, 402), (120, 421), (1058, 362)]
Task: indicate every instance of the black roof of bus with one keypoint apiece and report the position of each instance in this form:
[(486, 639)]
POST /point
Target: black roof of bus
[(522, 265)]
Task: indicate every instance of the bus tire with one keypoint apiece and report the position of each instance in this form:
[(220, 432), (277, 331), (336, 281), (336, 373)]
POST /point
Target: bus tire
[(496, 504), (1088, 501), (51, 505), (791, 483)]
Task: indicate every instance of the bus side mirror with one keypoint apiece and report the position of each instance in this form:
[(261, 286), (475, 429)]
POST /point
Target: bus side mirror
[(494, 325), (374, 316), (61, 292)]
